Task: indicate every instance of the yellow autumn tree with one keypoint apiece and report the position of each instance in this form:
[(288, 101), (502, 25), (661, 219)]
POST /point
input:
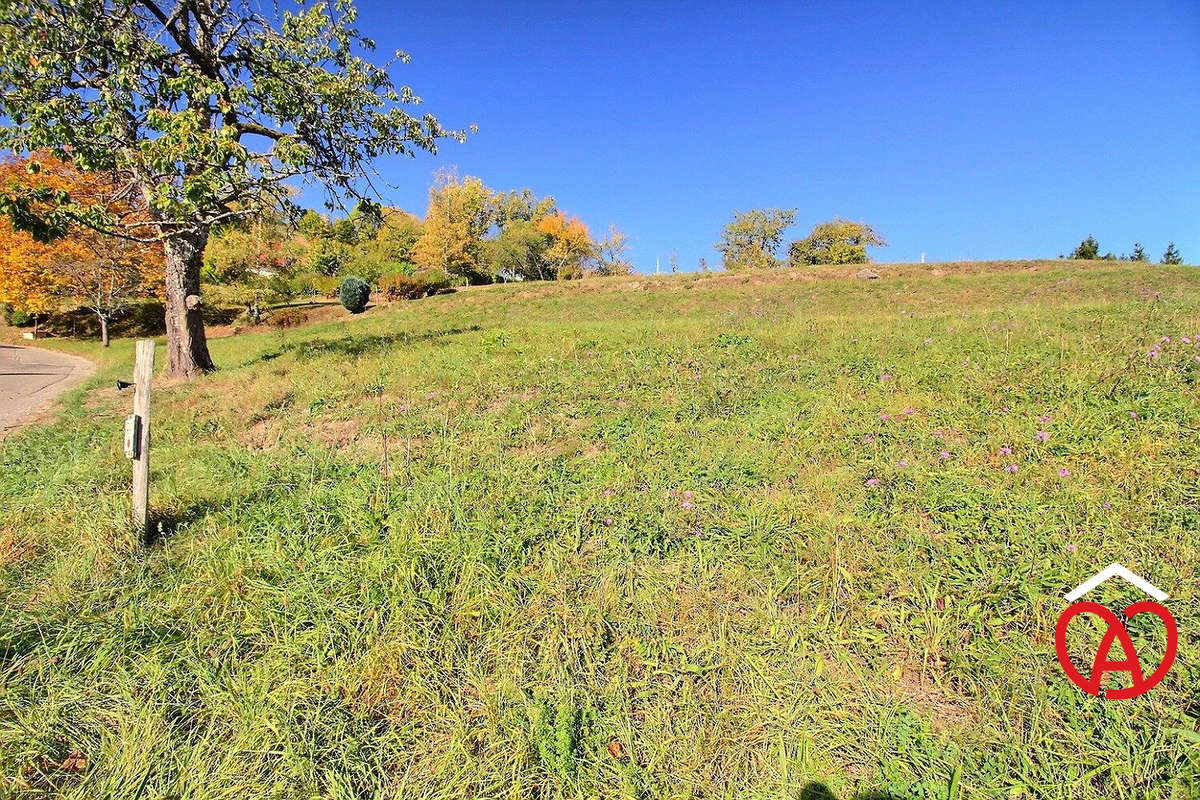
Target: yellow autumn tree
[(570, 244), (459, 216), (83, 266)]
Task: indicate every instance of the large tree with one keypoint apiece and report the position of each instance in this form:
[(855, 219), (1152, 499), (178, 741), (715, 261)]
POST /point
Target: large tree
[(752, 239), (839, 241), (461, 213), (570, 245), (206, 109)]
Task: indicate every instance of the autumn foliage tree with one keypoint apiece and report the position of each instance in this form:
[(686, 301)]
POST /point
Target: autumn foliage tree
[(85, 266), (206, 110), (569, 245), (518, 251), (459, 216)]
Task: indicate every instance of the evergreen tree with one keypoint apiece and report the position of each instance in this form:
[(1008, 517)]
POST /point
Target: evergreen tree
[(1088, 249), (1171, 256)]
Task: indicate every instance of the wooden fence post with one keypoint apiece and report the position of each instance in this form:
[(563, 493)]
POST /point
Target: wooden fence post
[(143, 373)]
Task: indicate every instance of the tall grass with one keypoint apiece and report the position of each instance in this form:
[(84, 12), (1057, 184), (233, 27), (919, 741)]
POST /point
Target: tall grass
[(691, 537)]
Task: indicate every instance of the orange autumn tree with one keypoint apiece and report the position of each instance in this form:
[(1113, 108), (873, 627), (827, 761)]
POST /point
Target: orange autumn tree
[(84, 266), (570, 244)]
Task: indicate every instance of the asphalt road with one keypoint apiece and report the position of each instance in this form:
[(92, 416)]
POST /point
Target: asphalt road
[(31, 377)]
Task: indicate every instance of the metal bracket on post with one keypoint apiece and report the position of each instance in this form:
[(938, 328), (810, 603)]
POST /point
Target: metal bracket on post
[(137, 434), (133, 431)]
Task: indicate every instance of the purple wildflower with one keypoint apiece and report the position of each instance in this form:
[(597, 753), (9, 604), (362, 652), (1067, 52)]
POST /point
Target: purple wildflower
[(872, 482), (887, 376), (868, 439), (1011, 468), (1042, 436), (1044, 419), (1006, 451), (685, 505), (944, 455), (1072, 548), (908, 412), (1064, 473), (1133, 415), (902, 462)]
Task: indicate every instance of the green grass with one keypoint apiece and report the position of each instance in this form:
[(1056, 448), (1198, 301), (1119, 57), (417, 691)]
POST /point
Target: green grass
[(620, 538)]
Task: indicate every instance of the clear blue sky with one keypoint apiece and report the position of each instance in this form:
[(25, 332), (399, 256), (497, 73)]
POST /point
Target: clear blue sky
[(964, 130)]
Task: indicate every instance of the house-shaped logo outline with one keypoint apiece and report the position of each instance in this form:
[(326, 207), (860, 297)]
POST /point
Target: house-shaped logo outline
[(1115, 569)]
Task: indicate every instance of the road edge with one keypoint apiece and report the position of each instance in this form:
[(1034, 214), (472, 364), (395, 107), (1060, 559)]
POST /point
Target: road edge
[(44, 399)]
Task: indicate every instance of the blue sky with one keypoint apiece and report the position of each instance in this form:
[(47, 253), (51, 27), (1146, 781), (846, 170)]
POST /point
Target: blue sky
[(961, 130)]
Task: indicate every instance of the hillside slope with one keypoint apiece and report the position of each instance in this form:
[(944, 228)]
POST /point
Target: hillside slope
[(689, 536)]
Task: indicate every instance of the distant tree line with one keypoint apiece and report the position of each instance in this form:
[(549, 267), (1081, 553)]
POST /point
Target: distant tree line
[(752, 240), (469, 234), (1089, 250)]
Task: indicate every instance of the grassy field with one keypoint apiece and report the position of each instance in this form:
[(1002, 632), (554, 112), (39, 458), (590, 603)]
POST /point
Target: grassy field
[(762, 536)]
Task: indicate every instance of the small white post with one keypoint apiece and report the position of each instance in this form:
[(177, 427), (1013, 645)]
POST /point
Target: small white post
[(143, 373)]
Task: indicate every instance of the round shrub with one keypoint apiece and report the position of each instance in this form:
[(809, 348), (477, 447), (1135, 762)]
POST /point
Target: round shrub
[(354, 294)]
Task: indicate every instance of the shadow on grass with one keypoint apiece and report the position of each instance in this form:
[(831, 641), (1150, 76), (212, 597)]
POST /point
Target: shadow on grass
[(139, 319), (360, 345), (166, 520), (819, 791), (163, 523)]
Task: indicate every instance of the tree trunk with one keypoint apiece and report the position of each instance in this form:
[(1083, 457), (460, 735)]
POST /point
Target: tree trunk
[(103, 330), (187, 349)]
